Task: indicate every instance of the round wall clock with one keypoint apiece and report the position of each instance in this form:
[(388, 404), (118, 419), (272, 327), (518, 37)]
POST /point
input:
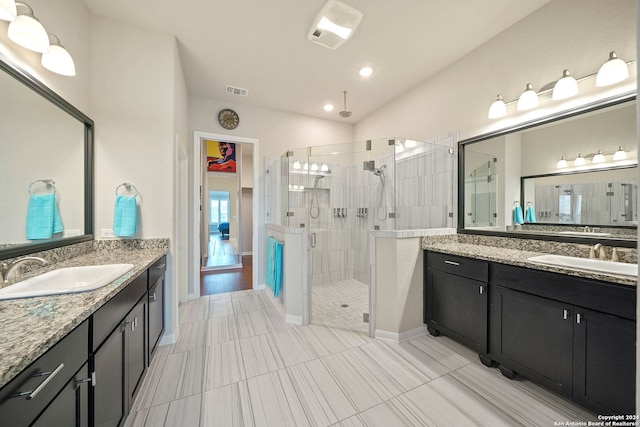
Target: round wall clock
[(228, 118)]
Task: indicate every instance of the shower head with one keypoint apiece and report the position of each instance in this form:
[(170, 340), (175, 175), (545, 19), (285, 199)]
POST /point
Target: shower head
[(379, 171)]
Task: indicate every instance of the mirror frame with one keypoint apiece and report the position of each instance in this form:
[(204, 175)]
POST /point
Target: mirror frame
[(594, 106), (45, 92)]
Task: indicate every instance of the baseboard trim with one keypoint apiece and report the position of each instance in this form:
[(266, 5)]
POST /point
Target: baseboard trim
[(290, 318), (192, 297), (168, 339), (401, 336), (260, 287)]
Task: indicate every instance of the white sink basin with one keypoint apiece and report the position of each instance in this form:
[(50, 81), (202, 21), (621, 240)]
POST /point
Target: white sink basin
[(66, 281), (585, 233), (588, 264)]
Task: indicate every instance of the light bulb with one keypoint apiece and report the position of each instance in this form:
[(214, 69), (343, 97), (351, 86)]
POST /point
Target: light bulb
[(613, 71), (528, 99), (562, 163), (598, 158), (619, 155), (498, 108), (566, 87), (324, 167), (297, 165), (579, 161), (314, 167)]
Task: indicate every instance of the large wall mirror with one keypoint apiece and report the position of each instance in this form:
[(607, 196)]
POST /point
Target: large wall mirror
[(46, 173), (526, 180)]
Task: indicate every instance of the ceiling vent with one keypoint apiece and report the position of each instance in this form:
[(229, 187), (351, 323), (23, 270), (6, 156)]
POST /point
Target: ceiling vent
[(232, 90), (334, 24)]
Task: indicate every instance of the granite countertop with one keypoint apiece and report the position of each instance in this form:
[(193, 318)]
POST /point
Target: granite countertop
[(31, 326), (519, 257)]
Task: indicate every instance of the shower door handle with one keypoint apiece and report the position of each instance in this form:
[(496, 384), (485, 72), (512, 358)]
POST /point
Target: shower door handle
[(313, 240)]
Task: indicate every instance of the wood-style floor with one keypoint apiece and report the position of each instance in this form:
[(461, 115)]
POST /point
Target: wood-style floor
[(220, 281), (237, 363)]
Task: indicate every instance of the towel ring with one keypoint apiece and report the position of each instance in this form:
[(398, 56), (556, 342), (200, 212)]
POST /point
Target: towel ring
[(128, 186), (49, 182)]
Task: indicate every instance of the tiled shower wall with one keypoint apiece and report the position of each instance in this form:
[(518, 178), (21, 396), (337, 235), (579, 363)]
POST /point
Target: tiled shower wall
[(418, 191), (599, 203)]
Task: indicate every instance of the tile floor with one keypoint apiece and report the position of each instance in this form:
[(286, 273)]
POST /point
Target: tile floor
[(237, 363), (328, 300)]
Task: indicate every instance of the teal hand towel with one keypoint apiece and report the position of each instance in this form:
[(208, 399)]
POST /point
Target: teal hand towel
[(125, 216), (530, 216), (43, 217), (518, 218)]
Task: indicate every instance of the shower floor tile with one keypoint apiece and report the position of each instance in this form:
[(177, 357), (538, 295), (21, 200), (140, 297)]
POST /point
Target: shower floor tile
[(340, 305)]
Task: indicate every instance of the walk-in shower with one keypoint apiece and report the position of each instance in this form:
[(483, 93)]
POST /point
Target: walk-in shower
[(341, 195)]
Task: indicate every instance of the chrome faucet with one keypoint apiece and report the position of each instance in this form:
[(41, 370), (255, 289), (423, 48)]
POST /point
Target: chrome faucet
[(7, 268), (602, 253), (587, 229)]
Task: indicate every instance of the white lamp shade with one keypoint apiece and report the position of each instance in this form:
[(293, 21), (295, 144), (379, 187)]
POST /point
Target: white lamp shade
[(528, 99), (26, 31), (8, 10), (613, 71), (598, 158), (619, 155), (59, 61), (566, 87), (297, 165), (498, 108), (579, 161), (562, 163)]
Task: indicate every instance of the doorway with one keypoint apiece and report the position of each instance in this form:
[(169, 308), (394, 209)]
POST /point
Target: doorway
[(223, 214)]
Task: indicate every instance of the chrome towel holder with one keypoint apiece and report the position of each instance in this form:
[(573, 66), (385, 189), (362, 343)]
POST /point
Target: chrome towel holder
[(49, 182), (129, 187)]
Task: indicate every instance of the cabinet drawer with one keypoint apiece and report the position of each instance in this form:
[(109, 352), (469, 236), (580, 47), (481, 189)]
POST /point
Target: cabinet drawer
[(460, 266), (619, 300), (156, 271), (109, 316), (62, 361)]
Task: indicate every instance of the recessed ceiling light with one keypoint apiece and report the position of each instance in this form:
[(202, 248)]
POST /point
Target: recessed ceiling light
[(366, 71), (328, 107)]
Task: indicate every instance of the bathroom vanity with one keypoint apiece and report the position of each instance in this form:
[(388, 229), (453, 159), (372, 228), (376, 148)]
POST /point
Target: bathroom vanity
[(79, 359), (572, 331)]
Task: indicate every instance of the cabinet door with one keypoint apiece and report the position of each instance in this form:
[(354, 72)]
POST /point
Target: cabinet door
[(135, 348), (108, 392), (71, 406), (604, 367), (457, 306), (533, 336), (156, 315)]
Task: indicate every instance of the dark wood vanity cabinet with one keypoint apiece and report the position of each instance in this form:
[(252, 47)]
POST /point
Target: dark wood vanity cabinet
[(573, 335), (120, 359), (456, 302), (54, 389), (156, 304)]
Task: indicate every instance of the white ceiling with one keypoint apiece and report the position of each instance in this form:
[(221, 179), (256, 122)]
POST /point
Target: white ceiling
[(261, 45)]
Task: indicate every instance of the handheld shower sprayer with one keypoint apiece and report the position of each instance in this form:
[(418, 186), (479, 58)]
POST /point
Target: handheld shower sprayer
[(314, 211), (379, 171)]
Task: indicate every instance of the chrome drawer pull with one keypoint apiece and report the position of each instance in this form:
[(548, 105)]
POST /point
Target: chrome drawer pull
[(33, 393), (578, 318), (446, 261), (160, 266), (566, 314), (91, 379), (153, 297), (481, 290)]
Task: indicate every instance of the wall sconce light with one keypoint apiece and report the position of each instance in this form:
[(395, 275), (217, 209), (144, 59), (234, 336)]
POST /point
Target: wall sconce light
[(562, 163), (498, 108), (28, 32), (528, 99), (613, 71), (324, 168), (566, 87), (8, 10), (619, 155), (598, 157), (58, 59), (297, 165)]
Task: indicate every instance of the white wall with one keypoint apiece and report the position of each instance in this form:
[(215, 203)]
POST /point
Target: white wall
[(574, 34), (276, 131), (138, 104)]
